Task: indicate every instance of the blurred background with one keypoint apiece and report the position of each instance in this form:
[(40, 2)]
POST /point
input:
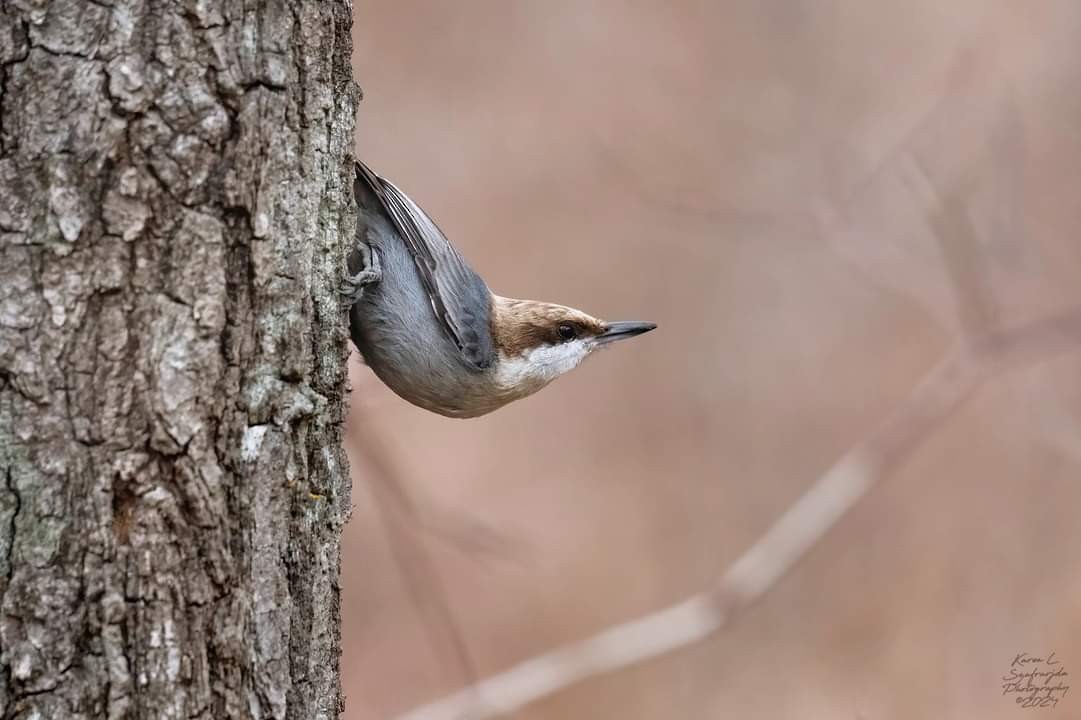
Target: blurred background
[(782, 187)]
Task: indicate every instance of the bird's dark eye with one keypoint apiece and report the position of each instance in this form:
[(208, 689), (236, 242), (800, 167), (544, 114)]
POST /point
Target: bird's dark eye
[(567, 332)]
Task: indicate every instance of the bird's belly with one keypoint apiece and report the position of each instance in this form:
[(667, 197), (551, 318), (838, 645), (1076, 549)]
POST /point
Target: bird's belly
[(410, 353)]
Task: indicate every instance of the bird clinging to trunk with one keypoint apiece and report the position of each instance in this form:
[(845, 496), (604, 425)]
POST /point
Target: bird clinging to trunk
[(430, 328)]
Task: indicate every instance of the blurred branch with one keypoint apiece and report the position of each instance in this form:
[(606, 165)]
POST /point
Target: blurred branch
[(399, 515), (966, 266), (791, 537)]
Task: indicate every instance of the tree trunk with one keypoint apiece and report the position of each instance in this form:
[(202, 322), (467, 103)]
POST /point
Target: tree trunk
[(175, 202)]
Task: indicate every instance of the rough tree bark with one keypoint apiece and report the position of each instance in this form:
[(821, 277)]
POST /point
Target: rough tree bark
[(175, 200)]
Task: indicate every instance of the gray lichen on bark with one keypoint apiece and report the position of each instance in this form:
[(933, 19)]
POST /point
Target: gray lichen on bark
[(175, 182)]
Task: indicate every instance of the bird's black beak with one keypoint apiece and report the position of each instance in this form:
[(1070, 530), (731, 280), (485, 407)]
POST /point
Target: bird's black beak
[(622, 330)]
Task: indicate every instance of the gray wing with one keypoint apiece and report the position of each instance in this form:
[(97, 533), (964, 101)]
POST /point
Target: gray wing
[(460, 299)]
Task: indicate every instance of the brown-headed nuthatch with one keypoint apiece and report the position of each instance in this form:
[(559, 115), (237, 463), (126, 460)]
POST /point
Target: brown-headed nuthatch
[(430, 328)]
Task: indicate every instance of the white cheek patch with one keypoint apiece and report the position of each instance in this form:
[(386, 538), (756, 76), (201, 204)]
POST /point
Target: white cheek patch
[(541, 365), (554, 360)]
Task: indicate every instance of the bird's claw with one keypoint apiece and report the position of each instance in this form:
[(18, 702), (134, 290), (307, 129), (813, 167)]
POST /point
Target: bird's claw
[(352, 287)]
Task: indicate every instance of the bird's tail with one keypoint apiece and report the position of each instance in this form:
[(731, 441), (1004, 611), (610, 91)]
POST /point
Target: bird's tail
[(368, 188)]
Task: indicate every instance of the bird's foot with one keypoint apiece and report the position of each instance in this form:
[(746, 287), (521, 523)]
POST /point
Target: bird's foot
[(352, 287)]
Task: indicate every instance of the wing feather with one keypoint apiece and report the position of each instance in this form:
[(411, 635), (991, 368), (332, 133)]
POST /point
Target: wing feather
[(459, 297)]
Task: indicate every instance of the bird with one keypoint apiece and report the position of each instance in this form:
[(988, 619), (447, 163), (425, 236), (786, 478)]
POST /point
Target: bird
[(429, 327)]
